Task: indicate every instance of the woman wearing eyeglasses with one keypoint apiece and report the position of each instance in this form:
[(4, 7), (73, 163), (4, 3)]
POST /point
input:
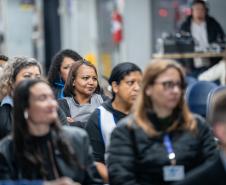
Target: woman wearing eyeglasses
[(162, 140)]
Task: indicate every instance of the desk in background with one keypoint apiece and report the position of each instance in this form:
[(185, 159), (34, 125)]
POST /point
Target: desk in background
[(189, 55)]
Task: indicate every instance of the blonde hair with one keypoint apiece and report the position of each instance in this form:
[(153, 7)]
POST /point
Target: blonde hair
[(144, 103)]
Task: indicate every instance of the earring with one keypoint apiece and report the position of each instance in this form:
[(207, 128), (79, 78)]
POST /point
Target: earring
[(25, 114)]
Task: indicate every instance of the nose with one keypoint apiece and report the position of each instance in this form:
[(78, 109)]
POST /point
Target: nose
[(136, 86), (91, 81), (52, 102), (176, 89)]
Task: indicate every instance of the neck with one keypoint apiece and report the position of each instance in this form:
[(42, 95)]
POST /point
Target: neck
[(198, 21), (38, 129), (121, 106), (82, 99), (161, 112)]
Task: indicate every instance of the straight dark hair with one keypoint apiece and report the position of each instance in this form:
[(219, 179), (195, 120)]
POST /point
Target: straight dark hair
[(25, 151)]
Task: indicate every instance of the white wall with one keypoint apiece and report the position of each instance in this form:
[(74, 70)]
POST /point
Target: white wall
[(18, 29), (79, 26), (137, 32)]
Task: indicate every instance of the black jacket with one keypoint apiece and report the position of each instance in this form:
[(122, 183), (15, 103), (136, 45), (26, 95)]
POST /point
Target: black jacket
[(135, 158), (78, 140), (6, 119), (215, 32), (212, 174), (94, 132)]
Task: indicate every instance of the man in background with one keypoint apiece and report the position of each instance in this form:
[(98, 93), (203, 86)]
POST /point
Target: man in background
[(205, 30)]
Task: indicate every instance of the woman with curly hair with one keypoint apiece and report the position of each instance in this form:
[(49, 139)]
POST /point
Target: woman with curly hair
[(59, 70), (16, 70)]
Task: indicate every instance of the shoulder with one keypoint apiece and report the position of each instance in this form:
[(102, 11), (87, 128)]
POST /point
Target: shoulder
[(62, 101), (211, 20), (74, 132), (201, 122), (97, 98), (186, 22)]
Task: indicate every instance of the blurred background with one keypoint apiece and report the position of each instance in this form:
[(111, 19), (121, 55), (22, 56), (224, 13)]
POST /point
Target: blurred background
[(105, 32)]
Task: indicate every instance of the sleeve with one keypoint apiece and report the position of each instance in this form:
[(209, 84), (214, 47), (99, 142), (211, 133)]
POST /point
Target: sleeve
[(209, 145), (64, 106), (121, 158), (6, 172), (91, 174), (6, 120), (220, 30), (213, 73), (62, 116), (95, 137)]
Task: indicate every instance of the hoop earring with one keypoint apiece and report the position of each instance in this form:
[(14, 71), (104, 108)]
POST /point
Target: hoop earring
[(25, 114)]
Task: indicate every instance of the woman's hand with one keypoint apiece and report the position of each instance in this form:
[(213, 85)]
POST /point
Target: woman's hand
[(70, 120), (61, 181)]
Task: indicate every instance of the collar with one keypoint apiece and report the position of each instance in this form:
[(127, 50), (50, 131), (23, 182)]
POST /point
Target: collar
[(7, 100)]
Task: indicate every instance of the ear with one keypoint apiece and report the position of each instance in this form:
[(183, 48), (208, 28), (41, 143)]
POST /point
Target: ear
[(114, 86), (148, 91)]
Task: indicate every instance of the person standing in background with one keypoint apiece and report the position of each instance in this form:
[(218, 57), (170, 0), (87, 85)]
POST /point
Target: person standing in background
[(205, 30)]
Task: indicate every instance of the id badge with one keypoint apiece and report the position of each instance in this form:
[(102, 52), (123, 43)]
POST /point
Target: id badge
[(173, 173)]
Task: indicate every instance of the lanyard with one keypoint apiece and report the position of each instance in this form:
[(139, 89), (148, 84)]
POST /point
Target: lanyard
[(169, 148)]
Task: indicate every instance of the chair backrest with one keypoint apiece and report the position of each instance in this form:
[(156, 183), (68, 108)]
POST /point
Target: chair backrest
[(196, 96), (210, 99), (190, 80)]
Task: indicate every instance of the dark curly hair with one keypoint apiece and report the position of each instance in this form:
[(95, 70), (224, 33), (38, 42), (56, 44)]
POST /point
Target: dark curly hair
[(54, 71)]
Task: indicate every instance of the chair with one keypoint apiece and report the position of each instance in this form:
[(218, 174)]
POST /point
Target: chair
[(196, 96), (190, 80), (210, 99)]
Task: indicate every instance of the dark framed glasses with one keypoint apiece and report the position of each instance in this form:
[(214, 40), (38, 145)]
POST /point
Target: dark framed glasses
[(169, 85)]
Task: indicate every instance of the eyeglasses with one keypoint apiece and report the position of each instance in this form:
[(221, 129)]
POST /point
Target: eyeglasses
[(169, 85)]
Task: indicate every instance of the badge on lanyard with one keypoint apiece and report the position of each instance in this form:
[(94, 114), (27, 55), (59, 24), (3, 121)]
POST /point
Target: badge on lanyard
[(173, 172)]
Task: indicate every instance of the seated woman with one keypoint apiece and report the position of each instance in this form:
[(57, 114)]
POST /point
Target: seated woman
[(40, 148), (161, 136), (80, 91), (59, 70), (16, 70), (125, 81)]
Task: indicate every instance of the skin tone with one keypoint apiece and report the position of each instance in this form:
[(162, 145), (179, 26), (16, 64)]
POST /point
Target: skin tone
[(165, 100), (219, 130), (198, 13), (125, 95), (42, 109), (2, 62), (31, 72), (84, 85), (126, 91), (65, 68)]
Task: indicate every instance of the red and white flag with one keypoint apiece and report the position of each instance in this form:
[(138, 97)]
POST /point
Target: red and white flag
[(116, 26)]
